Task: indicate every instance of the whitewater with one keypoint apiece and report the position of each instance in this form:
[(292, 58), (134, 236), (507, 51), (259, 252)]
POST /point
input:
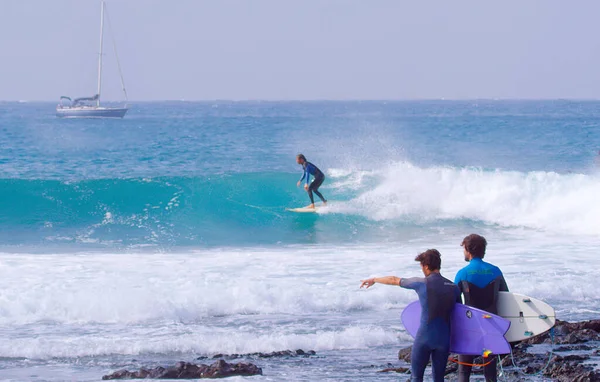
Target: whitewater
[(164, 236)]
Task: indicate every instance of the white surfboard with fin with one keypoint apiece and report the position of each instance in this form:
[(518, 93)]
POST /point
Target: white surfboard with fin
[(528, 316)]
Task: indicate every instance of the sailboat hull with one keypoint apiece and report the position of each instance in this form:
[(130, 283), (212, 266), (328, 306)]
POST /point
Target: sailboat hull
[(91, 112)]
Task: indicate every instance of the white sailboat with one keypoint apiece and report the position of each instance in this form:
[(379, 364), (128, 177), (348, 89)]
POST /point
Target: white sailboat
[(81, 107)]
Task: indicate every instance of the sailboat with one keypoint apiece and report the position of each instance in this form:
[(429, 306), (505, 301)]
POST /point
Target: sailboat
[(89, 107)]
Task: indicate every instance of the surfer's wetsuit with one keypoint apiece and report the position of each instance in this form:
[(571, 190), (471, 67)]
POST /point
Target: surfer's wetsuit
[(480, 283), (319, 178), (437, 296)]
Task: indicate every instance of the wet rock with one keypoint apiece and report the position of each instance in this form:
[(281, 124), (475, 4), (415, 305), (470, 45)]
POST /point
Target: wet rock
[(186, 370), (275, 354), (573, 348), (403, 370), (571, 371), (404, 354), (566, 333)]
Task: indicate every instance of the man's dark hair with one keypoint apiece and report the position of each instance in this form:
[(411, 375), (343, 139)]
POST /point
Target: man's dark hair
[(475, 245), (301, 156), (432, 258)]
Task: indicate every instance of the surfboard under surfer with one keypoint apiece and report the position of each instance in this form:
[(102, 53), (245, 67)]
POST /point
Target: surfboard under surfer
[(438, 297), (310, 187)]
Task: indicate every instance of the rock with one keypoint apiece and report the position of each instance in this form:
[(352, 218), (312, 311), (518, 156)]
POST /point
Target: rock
[(573, 348), (186, 370), (569, 333), (404, 354), (573, 357), (571, 371), (275, 354), (403, 370)]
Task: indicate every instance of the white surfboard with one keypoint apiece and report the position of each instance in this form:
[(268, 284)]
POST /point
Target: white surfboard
[(303, 210), (528, 316)]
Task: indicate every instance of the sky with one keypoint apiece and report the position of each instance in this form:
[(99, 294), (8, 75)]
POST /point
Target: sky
[(303, 49)]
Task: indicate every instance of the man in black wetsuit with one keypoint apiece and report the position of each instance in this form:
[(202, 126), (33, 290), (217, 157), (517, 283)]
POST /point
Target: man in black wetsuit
[(480, 283), (437, 296), (310, 169)]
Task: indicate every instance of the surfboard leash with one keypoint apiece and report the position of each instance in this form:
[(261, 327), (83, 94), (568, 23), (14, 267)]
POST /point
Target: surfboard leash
[(486, 354), (539, 372), (471, 364)]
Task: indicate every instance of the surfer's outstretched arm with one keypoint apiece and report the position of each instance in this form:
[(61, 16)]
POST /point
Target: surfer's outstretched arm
[(301, 179), (387, 280)]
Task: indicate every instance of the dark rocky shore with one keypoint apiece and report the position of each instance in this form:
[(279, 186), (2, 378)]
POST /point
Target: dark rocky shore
[(573, 355), (185, 370), (219, 369), (275, 354)]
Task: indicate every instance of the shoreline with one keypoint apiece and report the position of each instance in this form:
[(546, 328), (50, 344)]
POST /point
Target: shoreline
[(569, 352)]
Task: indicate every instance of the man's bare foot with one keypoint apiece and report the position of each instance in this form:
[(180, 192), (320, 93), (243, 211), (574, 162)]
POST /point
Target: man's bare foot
[(324, 202), (311, 206)]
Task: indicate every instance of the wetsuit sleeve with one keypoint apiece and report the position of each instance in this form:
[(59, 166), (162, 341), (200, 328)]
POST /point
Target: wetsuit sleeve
[(412, 283), (307, 173), (458, 292), (303, 176), (503, 287), (458, 280)]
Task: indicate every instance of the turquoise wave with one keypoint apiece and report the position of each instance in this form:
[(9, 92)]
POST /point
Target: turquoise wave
[(230, 210), (393, 204)]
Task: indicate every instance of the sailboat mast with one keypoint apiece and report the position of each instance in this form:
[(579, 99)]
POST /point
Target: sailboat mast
[(100, 54)]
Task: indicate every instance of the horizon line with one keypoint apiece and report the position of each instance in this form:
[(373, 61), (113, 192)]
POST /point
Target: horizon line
[(233, 100)]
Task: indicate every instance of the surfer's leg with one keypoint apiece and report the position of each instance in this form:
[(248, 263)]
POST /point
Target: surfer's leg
[(489, 371), (320, 196), (310, 195), (314, 186), (419, 359), (439, 359), (464, 371)]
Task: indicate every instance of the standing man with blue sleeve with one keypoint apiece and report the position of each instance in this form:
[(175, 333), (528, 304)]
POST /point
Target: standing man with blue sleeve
[(310, 169), (479, 283), (437, 296)]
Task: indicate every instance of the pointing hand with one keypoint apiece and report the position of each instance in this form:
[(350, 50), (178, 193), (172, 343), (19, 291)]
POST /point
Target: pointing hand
[(367, 283)]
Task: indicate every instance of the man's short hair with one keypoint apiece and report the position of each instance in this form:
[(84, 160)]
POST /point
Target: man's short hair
[(430, 258), (301, 156), (475, 245)]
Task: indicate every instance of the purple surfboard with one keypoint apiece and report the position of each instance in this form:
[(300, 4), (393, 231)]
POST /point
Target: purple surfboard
[(472, 331)]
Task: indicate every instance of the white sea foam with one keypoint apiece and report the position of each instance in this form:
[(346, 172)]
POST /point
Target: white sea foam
[(295, 281), (559, 203), (191, 339)]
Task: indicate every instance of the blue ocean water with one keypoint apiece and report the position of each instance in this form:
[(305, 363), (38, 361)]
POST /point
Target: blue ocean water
[(190, 174), (177, 214)]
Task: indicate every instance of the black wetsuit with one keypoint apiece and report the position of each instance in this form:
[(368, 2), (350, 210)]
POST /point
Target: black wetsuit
[(437, 296), (480, 283), (319, 178)]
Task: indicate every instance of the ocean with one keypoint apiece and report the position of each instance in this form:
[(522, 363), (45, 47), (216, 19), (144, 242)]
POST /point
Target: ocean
[(164, 236)]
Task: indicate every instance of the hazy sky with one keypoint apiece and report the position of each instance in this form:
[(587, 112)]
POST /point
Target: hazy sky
[(304, 49)]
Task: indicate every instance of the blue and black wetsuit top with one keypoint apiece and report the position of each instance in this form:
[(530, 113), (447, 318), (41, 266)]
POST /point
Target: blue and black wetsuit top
[(480, 283), (437, 296), (311, 169)]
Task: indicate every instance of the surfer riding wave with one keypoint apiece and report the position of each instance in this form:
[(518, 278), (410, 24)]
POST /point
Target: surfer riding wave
[(310, 187)]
